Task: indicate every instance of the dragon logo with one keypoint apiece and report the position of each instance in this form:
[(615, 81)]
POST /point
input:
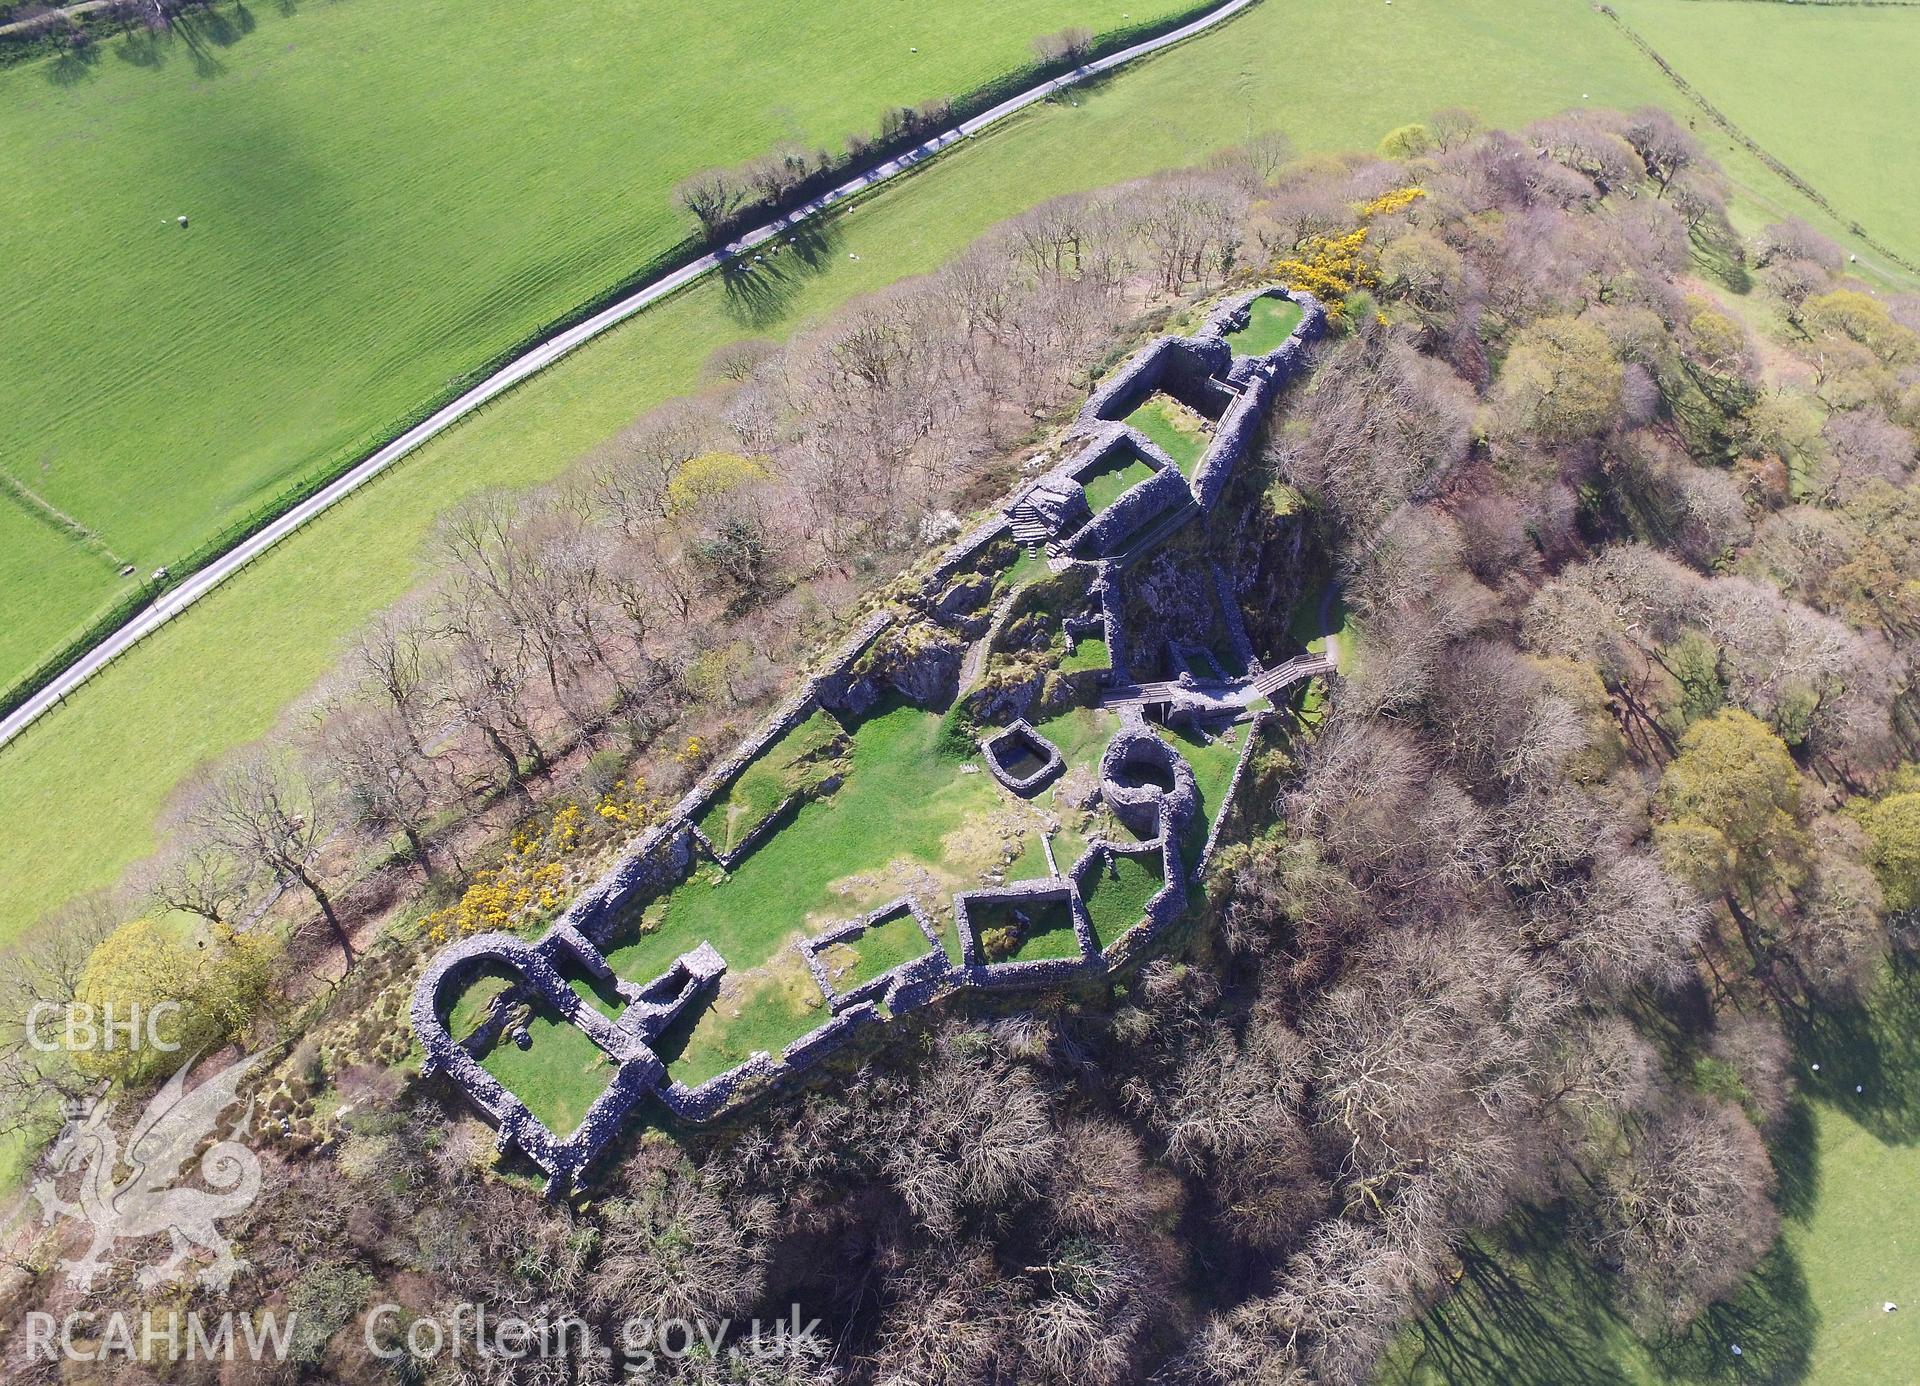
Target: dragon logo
[(149, 1201)]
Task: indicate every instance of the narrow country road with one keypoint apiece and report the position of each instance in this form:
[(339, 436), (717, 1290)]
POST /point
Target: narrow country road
[(178, 599)]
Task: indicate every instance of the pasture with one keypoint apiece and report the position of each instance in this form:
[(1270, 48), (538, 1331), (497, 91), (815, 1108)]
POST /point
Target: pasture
[(1826, 89), (380, 199)]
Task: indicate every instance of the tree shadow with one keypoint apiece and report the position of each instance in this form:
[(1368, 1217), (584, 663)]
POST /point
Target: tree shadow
[(1796, 1161), (1771, 1320), (197, 33), (141, 47), (1085, 87), (762, 283), (1868, 1054), (74, 64), (1530, 1310), (1513, 1320)]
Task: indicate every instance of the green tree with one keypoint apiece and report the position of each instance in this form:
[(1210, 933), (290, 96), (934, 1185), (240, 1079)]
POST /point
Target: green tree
[(1734, 776), (1893, 848), (195, 991), (1407, 142), (1561, 382)]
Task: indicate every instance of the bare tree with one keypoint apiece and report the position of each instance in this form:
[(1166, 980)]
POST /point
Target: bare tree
[(681, 1250), (712, 196), (383, 785), (197, 876), (1686, 1214), (1071, 44), (265, 813)]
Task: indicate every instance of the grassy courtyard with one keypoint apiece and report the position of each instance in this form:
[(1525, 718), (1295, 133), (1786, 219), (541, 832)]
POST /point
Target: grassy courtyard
[(879, 950), (797, 761), (557, 1076), (1025, 932), (1113, 480), (1270, 321), (1117, 896), (1178, 431), (908, 818), (380, 199)]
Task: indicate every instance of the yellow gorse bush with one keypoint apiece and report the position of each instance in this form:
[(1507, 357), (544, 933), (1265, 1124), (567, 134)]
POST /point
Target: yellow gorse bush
[(533, 878), (623, 806), (1390, 202), (1331, 267), (1328, 267)]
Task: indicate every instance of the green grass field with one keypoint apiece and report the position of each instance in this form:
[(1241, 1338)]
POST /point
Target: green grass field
[(1270, 321), (381, 198), (783, 769), (1826, 89), (1179, 432), (80, 792)]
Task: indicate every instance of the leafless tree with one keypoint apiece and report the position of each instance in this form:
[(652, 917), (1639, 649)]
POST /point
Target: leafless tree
[(265, 813), (1071, 44), (195, 876), (712, 196), (384, 786), (680, 1250), (1686, 1214)]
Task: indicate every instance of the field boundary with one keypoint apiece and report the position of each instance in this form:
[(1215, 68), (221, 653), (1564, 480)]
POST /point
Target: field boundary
[(158, 601), (1753, 146)]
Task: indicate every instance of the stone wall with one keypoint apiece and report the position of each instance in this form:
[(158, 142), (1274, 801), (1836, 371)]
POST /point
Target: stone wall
[(821, 1041), (1253, 734), (1021, 732), (1139, 805), (1160, 493), (1259, 379), (812, 949), (1178, 365), (967, 548), (656, 861), (721, 776), (1204, 373), (1232, 436)]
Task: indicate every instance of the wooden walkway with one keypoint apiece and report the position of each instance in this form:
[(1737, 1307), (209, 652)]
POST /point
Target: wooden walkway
[(1235, 696)]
